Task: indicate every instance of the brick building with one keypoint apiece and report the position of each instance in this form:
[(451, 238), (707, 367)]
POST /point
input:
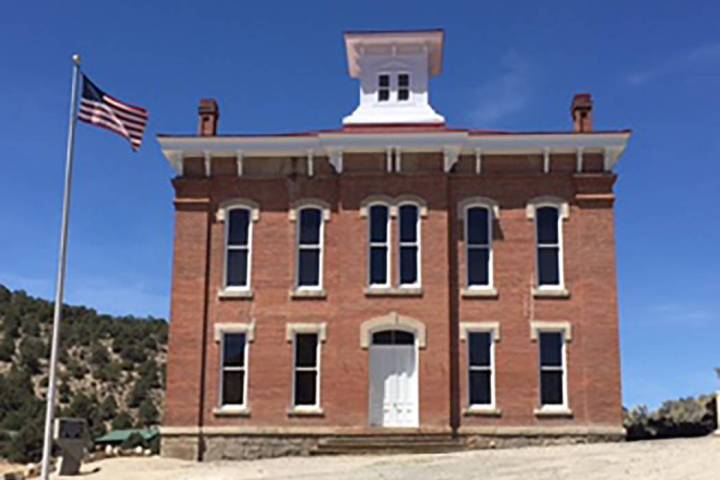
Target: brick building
[(392, 279)]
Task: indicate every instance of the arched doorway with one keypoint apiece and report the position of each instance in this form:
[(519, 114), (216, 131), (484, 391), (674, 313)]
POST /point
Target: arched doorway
[(393, 378)]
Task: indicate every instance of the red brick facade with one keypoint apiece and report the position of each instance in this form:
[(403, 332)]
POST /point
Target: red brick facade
[(591, 308)]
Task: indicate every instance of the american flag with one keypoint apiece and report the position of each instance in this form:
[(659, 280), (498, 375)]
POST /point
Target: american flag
[(100, 109)]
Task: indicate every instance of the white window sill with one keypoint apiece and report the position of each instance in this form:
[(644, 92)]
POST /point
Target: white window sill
[(550, 292), (308, 293), (553, 411), (303, 411), (393, 291), (482, 411), (231, 411), (485, 292), (240, 294)]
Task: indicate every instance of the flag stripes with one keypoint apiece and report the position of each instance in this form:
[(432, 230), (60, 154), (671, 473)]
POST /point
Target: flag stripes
[(100, 109)]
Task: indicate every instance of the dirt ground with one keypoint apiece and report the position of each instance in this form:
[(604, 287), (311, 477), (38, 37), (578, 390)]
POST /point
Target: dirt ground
[(696, 459)]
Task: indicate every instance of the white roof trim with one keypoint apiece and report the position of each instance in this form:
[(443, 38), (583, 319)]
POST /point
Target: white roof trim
[(612, 145)]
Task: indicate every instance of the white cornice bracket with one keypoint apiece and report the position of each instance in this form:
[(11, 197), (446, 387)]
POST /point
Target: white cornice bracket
[(208, 164), (398, 160), (336, 160), (579, 160), (546, 160), (451, 158), (478, 161), (239, 160), (310, 163), (388, 159)]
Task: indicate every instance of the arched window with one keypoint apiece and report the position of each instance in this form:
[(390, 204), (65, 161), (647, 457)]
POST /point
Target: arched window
[(549, 246), (310, 247), (478, 246), (379, 245), (393, 337), (409, 245), (238, 247)]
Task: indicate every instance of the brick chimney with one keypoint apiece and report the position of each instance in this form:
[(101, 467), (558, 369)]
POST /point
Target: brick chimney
[(208, 113), (581, 110)]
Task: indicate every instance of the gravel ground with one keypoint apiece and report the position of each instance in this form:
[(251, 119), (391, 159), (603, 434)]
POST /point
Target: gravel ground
[(696, 459)]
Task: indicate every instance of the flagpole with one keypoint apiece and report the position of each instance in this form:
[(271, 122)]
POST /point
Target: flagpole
[(62, 262)]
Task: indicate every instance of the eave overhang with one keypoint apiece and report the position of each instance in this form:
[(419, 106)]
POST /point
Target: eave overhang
[(610, 144)]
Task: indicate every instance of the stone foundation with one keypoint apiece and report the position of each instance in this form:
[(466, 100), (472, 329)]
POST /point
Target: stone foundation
[(190, 444)]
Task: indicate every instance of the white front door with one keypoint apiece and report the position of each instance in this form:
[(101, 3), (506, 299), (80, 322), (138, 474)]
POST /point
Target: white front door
[(393, 386)]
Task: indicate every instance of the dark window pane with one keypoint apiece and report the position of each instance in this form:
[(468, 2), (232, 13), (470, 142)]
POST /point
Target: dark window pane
[(232, 387), (310, 219), (384, 95), (551, 390), (234, 353), (378, 265), (403, 80), (403, 94), (551, 349), (408, 265), (305, 388), (477, 226), (239, 220), (479, 344), (309, 267), (549, 266), (408, 223), (378, 223), (547, 225), (306, 350), (384, 80), (478, 266), (393, 337), (480, 388), (237, 268)]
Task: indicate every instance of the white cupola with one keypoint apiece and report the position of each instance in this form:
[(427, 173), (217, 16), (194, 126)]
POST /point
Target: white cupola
[(394, 69)]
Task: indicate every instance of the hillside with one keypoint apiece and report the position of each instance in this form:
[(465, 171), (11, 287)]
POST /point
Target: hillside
[(111, 370)]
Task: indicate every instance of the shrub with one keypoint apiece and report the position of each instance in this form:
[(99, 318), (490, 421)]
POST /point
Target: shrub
[(122, 421), (686, 417), (147, 413)]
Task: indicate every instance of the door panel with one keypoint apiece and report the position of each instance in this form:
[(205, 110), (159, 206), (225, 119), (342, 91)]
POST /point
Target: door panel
[(393, 386)]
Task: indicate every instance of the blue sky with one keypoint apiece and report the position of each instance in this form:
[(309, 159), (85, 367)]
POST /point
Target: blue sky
[(651, 66)]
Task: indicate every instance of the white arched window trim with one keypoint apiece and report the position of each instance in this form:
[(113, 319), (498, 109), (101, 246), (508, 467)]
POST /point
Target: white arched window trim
[(493, 209), (223, 215), (563, 209), (294, 216)]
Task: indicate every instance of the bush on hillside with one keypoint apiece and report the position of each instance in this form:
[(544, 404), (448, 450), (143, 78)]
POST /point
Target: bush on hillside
[(686, 417)]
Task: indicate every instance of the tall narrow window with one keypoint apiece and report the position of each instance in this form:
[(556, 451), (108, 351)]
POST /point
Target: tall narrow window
[(480, 365), (233, 381), (403, 87), (310, 246), (409, 245), (478, 239), (552, 369), (307, 370), (237, 254), (379, 245), (549, 241), (383, 87)]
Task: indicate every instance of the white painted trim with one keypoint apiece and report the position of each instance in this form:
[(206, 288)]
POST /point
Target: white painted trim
[(324, 217), (417, 243), (478, 161), (563, 211), (232, 203), (239, 162), (377, 199), (562, 409), (174, 148), (579, 160), (546, 160), (492, 328), (319, 333), (335, 157), (486, 202), (253, 215), (248, 330), (450, 158), (208, 163), (310, 163)]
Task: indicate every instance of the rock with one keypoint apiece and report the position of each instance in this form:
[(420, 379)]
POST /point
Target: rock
[(138, 450), (109, 450)]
